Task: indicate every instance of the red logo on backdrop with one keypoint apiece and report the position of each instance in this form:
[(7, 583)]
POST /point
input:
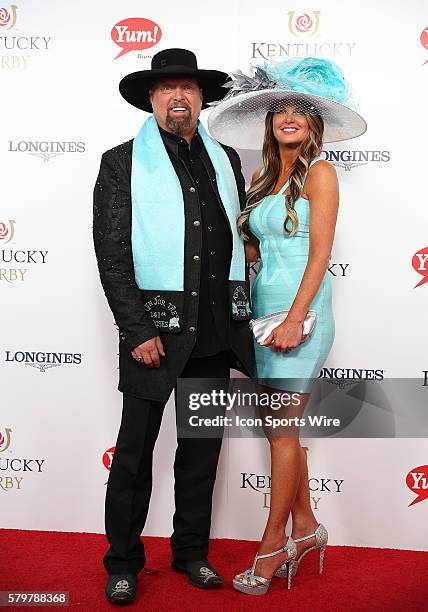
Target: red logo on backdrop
[(108, 457), (424, 42), (7, 230), (417, 481), (135, 34), (5, 440), (303, 24), (8, 17), (420, 264)]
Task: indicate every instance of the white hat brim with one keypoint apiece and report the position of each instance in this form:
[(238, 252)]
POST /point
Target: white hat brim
[(240, 121)]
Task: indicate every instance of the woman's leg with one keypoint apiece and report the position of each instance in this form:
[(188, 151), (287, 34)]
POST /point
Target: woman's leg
[(304, 521), (288, 479), (286, 475)]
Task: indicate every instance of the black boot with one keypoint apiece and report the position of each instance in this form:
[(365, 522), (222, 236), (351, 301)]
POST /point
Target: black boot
[(201, 574), (121, 588)]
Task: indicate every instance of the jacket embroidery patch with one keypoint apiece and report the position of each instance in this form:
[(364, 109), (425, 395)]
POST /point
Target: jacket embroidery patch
[(241, 309), (164, 313)]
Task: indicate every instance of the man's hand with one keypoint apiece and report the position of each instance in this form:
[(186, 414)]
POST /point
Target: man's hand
[(149, 353)]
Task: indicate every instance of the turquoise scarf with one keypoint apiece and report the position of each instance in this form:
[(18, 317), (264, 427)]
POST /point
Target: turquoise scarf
[(158, 210)]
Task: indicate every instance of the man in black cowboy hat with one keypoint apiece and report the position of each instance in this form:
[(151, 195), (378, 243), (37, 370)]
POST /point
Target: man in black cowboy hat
[(173, 269)]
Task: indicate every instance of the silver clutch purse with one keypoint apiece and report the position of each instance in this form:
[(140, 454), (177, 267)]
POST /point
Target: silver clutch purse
[(263, 326)]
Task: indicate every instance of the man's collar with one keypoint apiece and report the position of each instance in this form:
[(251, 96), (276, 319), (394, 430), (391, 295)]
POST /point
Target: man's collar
[(172, 141)]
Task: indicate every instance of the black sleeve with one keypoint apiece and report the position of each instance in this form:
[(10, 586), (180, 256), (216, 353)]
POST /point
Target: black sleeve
[(113, 249), (235, 160)]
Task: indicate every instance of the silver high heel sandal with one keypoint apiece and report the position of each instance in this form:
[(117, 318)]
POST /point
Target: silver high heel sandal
[(321, 539), (257, 585)]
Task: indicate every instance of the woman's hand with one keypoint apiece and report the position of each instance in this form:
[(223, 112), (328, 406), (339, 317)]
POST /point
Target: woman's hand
[(285, 337), (252, 252)]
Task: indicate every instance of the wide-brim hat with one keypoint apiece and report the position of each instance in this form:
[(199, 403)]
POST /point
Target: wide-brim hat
[(313, 85), (135, 87)]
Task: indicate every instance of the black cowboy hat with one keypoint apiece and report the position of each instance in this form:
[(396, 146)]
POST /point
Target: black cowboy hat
[(171, 62)]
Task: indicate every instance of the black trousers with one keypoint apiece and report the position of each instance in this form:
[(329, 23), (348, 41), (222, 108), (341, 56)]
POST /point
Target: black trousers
[(130, 481)]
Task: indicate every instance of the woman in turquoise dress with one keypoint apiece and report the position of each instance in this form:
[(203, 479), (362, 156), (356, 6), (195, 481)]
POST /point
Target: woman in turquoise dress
[(289, 224)]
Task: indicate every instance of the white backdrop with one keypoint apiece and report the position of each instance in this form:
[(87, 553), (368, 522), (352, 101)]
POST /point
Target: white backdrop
[(59, 84)]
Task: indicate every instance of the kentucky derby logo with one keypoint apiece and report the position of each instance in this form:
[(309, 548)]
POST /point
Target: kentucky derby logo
[(7, 17), (424, 41), (7, 231), (5, 440), (135, 34), (417, 481), (304, 24), (420, 264)]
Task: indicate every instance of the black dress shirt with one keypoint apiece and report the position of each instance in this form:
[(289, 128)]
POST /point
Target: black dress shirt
[(212, 335)]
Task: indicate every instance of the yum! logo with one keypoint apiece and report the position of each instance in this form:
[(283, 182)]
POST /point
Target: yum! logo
[(108, 457), (135, 34), (417, 481), (420, 264), (424, 41)]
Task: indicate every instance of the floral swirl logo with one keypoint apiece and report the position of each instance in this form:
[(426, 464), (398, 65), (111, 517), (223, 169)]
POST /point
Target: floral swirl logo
[(5, 442), (7, 231), (304, 24), (8, 17)]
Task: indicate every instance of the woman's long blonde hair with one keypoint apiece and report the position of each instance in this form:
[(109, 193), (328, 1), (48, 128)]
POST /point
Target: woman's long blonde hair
[(265, 184)]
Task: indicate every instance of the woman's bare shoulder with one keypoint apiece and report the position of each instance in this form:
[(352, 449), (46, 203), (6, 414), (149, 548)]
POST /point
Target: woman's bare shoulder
[(322, 168)]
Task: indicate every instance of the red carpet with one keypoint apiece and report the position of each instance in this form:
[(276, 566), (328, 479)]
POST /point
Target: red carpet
[(365, 579)]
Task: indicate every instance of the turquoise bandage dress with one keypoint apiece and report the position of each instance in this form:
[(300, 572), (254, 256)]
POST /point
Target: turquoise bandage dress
[(283, 263)]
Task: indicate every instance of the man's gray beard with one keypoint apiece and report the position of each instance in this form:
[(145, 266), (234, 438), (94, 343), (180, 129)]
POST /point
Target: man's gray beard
[(179, 127)]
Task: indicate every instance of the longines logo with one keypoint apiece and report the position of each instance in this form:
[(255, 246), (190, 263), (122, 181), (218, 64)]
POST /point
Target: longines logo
[(346, 376), (302, 26), (417, 482), (420, 265), (261, 483), (350, 159), (41, 360), (15, 465), (12, 259), (16, 44), (46, 149), (135, 34)]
